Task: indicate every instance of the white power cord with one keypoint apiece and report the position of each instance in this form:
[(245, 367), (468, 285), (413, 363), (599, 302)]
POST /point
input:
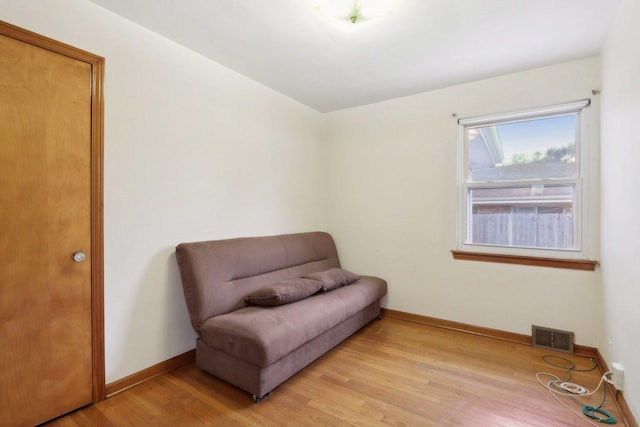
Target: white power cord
[(571, 389)]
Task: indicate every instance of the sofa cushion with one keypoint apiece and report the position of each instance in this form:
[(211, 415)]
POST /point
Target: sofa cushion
[(284, 292), (333, 278), (262, 335), (218, 274)]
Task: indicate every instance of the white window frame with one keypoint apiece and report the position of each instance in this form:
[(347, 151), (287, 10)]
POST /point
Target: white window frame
[(582, 182)]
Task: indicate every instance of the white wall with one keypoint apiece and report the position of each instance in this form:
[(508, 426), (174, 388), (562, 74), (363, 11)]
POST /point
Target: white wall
[(193, 151), (620, 341), (391, 197)]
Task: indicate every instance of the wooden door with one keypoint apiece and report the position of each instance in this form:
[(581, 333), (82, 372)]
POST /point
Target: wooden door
[(47, 180)]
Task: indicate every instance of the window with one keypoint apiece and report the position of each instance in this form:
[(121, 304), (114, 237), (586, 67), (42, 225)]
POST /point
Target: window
[(523, 183)]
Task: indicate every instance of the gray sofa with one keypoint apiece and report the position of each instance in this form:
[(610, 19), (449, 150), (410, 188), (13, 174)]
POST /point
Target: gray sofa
[(257, 347)]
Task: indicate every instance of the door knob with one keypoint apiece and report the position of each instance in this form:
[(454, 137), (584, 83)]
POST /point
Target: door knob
[(79, 256)]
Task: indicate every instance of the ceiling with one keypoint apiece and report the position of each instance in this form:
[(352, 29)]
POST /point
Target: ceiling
[(422, 45)]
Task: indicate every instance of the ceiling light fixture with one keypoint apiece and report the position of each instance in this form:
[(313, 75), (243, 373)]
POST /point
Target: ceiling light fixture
[(351, 12)]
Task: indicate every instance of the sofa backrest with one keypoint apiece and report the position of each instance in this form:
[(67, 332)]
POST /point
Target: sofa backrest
[(218, 274)]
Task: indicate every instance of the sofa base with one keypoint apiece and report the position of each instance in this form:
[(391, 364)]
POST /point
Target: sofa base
[(258, 380)]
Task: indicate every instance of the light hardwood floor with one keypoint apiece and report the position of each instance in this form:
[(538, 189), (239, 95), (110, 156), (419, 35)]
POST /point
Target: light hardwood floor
[(392, 372)]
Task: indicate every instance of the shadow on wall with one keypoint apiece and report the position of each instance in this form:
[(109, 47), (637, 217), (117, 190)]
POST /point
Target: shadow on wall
[(159, 325)]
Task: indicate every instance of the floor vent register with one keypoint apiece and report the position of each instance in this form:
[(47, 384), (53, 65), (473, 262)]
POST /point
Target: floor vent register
[(552, 338)]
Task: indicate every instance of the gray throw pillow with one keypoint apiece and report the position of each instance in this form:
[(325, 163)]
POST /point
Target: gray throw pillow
[(284, 292)]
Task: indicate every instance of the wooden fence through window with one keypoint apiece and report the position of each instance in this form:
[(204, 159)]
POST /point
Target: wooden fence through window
[(524, 229)]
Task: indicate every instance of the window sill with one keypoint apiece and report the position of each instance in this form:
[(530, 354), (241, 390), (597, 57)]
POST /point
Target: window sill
[(574, 264)]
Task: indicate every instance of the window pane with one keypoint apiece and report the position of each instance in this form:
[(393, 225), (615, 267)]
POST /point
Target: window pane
[(535, 216), (533, 149)]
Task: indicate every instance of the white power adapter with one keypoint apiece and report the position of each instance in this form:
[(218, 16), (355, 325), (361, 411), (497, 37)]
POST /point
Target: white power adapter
[(618, 375)]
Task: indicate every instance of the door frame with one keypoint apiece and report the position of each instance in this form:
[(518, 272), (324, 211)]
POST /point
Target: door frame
[(97, 187)]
